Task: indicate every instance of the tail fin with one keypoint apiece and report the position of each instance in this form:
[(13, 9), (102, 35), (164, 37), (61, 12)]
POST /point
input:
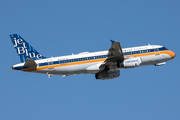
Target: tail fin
[(23, 49)]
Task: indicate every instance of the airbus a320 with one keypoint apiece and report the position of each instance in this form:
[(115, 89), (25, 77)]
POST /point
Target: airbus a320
[(104, 64)]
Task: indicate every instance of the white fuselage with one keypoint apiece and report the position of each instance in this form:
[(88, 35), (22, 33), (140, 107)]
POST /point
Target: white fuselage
[(81, 63)]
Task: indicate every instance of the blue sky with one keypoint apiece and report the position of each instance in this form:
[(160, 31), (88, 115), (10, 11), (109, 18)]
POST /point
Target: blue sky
[(60, 27)]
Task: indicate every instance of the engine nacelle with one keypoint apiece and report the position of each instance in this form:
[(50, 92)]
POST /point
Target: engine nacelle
[(107, 74), (130, 63)]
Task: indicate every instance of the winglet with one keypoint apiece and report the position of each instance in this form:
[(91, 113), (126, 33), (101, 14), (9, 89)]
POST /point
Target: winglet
[(112, 41)]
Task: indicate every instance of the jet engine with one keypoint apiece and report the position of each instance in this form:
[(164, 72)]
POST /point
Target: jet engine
[(130, 63), (104, 75)]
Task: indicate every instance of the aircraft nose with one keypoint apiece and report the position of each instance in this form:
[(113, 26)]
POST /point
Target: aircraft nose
[(172, 54)]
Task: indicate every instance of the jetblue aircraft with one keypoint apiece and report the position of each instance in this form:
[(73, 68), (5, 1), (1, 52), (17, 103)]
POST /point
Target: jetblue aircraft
[(104, 64)]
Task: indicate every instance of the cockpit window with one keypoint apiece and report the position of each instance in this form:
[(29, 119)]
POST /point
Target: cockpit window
[(164, 48)]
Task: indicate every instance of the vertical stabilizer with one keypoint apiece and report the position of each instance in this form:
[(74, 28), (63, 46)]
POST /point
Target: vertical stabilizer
[(24, 50)]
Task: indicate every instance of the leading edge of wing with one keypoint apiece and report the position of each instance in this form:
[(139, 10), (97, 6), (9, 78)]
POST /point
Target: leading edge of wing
[(115, 54)]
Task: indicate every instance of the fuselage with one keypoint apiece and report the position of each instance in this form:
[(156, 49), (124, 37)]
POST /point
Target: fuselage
[(79, 63)]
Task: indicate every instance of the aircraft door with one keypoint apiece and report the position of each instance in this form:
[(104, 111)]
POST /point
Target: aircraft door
[(156, 51), (50, 66)]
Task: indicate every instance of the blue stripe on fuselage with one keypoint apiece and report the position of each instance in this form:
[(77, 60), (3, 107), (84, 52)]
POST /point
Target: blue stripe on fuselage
[(94, 57)]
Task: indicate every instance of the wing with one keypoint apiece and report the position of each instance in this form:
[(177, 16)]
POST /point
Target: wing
[(115, 54)]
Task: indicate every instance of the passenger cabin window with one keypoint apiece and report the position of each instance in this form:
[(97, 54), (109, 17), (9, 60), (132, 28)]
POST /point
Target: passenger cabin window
[(138, 52), (128, 53), (144, 51)]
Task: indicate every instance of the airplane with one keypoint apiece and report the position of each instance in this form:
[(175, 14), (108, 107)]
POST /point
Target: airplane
[(104, 64)]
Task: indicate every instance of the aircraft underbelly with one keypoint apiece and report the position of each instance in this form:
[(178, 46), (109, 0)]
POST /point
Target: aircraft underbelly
[(153, 59), (73, 69), (67, 70)]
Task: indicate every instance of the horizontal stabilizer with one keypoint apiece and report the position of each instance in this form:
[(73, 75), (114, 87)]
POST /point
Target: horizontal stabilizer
[(30, 63)]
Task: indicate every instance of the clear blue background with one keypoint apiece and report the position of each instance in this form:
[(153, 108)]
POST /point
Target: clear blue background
[(63, 27)]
